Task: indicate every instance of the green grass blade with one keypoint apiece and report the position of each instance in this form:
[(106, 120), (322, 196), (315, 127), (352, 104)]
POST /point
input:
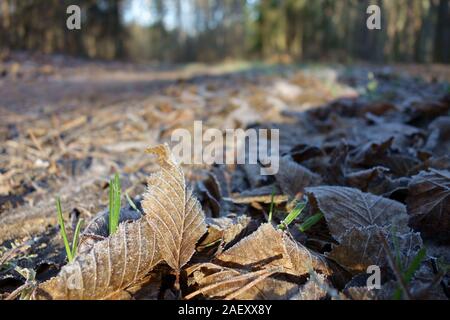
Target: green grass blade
[(131, 203), (409, 273), (292, 215), (76, 237), (310, 222), (398, 259), (415, 264), (114, 203), (272, 202), (62, 229)]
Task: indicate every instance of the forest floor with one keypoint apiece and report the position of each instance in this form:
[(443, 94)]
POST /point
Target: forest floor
[(67, 125)]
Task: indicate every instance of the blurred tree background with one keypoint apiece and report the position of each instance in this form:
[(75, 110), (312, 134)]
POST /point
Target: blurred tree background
[(214, 30)]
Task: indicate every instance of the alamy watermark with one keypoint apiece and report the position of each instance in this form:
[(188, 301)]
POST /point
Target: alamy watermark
[(374, 280), (231, 146), (374, 20), (73, 21)]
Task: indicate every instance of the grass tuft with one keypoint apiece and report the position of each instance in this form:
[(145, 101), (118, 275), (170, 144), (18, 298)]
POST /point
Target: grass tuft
[(71, 251), (409, 273), (76, 237), (114, 203)]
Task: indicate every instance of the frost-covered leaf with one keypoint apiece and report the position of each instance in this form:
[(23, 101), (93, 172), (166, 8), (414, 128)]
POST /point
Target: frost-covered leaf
[(345, 208), (268, 248), (264, 248), (304, 260), (361, 247), (429, 203), (110, 266), (173, 210)]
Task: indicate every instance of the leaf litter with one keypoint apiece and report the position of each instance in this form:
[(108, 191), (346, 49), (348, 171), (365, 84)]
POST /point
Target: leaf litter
[(376, 171)]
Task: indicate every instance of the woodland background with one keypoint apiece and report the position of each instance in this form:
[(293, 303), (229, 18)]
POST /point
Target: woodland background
[(214, 30)]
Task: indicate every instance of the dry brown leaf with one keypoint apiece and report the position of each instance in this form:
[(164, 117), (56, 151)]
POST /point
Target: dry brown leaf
[(345, 208), (375, 180), (109, 267), (361, 247), (264, 248), (294, 178), (270, 248), (173, 210), (429, 203), (225, 229), (245, 270), (97, 229)]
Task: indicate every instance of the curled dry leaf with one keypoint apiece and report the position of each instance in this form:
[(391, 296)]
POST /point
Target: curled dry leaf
[(212, 191), (173, 210), (439, 139), (225, 229), (361, 247), (98, 229), (429, 203), (109, 267), (293, 178), (375, 180), (346, 208)]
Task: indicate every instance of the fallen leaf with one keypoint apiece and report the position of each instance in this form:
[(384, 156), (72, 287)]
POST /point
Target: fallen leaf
[(264, 248), (173, 210), (109, 267), (293, 178), (361, 247), (345, 208), (268, 248), (429, 203)]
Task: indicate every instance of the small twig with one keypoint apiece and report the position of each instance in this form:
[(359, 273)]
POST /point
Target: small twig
[(215, 285), (13, 295), (394, 266), (238, 292), (36, 142)]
